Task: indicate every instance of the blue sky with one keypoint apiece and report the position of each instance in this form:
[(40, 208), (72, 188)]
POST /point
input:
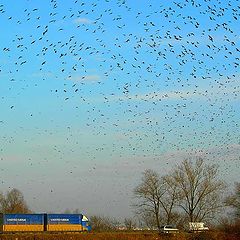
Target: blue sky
[(92, 93)]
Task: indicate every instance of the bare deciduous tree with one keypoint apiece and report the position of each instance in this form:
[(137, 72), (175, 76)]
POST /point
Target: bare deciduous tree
[(157, 198), (199, 188), (13, 202), (147, 220), (234, 201), (148, 194), (193, 187), (129, 223), (103, 224), (169, 199)]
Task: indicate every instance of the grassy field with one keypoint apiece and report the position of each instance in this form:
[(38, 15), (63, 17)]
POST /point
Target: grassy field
[(121, 236)]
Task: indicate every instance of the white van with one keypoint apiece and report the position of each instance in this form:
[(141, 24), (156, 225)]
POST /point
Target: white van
[(169, 229)]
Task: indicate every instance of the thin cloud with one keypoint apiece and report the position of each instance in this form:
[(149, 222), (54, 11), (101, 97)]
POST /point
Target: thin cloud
[(86, 78), (82, 21), (42, 74)]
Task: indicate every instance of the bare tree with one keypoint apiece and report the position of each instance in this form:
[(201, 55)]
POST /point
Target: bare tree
[(234, 201), (169, 199), (199, 188), (157, 198), (148, 195), (129, 223), (103, 224), (147, 220), (13, 202)]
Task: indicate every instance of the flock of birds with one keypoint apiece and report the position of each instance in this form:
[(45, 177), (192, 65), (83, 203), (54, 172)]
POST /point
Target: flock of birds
[(142, 79)]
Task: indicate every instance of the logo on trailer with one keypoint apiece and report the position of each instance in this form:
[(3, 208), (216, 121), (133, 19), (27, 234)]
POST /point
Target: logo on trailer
[(16, 220), (59, 220)]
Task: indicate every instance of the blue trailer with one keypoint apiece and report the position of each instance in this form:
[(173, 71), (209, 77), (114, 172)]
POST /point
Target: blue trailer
[(22, 222), (64, 222)]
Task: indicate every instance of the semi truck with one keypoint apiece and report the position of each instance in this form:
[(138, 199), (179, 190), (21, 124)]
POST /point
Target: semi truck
[(197, 227), (11, 223)]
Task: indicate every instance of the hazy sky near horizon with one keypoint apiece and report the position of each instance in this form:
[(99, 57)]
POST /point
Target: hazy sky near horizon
[(94, 92)]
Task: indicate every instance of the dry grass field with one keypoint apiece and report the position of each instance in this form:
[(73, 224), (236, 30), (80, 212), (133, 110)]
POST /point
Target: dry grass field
[(122, 236)]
